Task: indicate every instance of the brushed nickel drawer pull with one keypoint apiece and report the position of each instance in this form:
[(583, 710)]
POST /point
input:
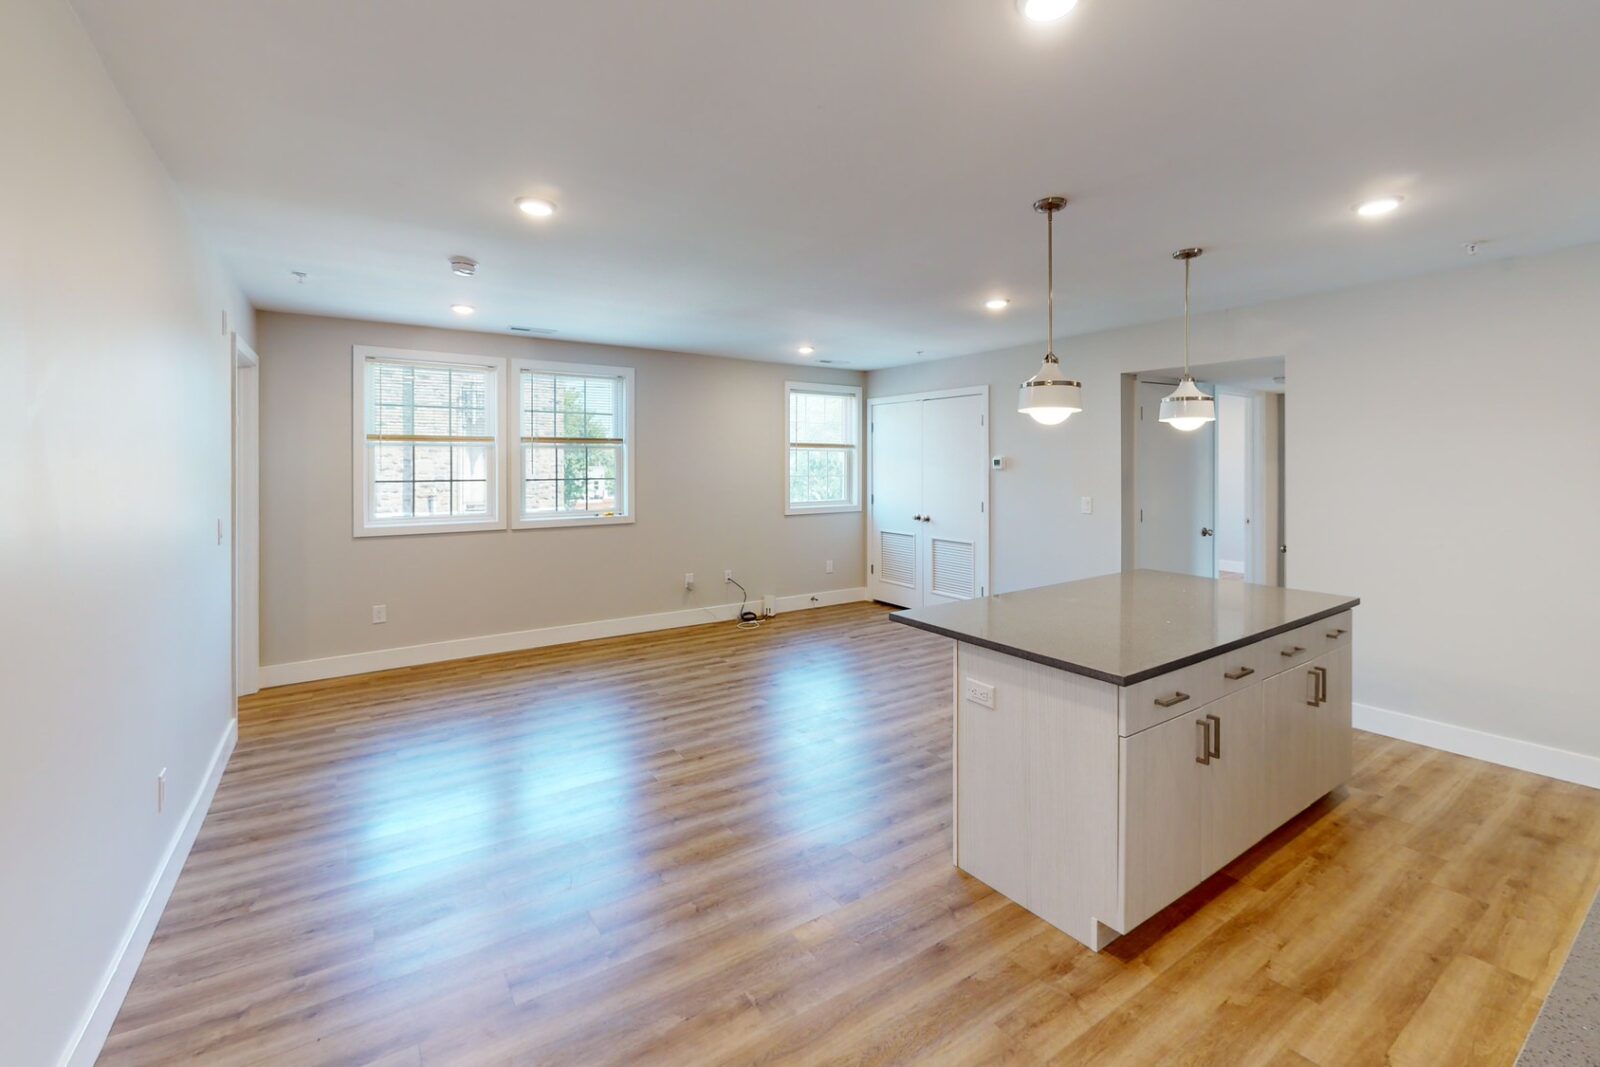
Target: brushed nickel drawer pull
[(1216, 736), (1172, 701), (1337, 633), (1316, 688), (1293, 650), (1238, 672), (1205, 741), (1322, 684)]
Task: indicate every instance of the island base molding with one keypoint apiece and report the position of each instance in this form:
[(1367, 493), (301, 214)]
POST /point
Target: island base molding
[(1094, 805)]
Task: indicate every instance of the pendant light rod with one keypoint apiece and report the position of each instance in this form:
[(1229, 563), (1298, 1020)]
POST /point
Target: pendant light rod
[(1186, 254), (1050, 205)]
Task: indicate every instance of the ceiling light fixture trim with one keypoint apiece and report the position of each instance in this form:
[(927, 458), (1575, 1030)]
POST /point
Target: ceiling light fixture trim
[(1045, 10), (536, 206)]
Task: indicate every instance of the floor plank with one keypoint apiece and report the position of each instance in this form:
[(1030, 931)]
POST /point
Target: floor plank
[(716, 846)]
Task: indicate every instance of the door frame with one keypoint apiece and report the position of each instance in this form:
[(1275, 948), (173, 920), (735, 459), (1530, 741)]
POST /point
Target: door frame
[(246, 518), (982, 554), (1132, 517)]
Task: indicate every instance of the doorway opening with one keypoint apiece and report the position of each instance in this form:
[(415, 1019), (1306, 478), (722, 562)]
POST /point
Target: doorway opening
[(1207, 502)]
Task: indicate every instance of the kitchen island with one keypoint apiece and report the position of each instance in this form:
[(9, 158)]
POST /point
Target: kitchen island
[(1119, 739)]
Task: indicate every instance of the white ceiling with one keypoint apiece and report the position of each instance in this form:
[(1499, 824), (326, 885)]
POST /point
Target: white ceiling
[(740, 176)]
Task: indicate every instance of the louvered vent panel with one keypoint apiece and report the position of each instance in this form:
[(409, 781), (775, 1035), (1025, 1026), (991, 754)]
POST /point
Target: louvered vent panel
[(952, 569), (897, 558)]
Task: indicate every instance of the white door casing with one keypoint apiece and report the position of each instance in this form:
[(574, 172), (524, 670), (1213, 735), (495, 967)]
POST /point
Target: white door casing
[(246, 520)]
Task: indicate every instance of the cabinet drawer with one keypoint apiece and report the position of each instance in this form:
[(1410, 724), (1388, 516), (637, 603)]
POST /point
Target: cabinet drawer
[(1334, 632), (1292, 648), (1240, 668), (1155, 700)]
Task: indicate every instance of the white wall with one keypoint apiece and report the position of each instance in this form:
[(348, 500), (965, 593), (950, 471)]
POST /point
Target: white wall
[(114, 469), (709, 465), (1443, 463)]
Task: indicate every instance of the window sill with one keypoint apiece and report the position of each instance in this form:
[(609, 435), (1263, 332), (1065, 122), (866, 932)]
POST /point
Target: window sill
[(552, 524), (403, 529), (834, 509)]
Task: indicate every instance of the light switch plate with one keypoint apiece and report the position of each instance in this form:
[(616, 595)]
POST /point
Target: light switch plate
[(979, 692)]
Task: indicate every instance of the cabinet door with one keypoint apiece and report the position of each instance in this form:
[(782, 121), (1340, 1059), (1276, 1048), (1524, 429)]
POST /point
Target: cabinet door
[(1160, 816), (1333, 752), (1292, 731), (1235, 791)]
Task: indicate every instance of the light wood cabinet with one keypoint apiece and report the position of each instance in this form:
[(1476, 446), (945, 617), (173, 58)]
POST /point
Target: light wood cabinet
[(1096, 805)]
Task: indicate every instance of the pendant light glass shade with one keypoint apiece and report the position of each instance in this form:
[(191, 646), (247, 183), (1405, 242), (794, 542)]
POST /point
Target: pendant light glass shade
[(1186, 408), (1050, 397)]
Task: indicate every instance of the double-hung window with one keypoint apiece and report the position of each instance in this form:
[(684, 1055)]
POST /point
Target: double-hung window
[(823, 471), (427, 442), (575, 427)]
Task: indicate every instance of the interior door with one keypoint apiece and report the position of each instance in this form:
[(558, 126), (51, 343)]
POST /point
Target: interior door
[(896, 505), (1174, 474), (954, 472)]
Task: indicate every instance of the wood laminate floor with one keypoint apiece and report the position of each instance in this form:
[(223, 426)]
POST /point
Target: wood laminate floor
[(713, 846)]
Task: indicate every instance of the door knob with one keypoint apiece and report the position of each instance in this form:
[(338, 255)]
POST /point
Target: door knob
[(927, 518), (1205, 531)]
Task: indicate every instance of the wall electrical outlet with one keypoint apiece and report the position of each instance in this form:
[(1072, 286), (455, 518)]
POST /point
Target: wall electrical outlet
[(828, 567), (161, 790), (727, 576), (979, 692), (1086, 505), (688, 579), (380, 613)]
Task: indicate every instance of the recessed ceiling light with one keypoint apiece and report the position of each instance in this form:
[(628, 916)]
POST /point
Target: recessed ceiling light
[(805, 350), (1382, 205), (1045, 10), (462, 309), (998, 303), (533, 205)]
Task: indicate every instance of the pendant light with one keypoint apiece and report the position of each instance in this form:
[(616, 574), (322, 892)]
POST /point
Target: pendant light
[(1049, 396), (1186, 407)]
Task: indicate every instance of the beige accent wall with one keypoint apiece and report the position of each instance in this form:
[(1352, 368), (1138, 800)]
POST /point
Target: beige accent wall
[(115, 469), (709, 464), (1442, 462)]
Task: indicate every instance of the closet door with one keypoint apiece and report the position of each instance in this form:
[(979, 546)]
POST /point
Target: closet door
[(955, 471), (896, 507)]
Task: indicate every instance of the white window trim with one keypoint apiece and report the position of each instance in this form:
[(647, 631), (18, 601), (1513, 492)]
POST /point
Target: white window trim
[(790, 388), (358, 422), (513, 435)]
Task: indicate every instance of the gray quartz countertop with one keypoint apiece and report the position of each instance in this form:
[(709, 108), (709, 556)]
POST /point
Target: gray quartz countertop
[(1124, 628)]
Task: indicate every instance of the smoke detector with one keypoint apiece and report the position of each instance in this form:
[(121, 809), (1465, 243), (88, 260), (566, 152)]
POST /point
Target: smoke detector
[(463, 266)]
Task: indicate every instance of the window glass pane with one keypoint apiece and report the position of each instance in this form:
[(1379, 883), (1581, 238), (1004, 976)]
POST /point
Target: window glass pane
[(432, 498), (470, 498), (431, 463), (821, 418), (821, 475), (389, 500)]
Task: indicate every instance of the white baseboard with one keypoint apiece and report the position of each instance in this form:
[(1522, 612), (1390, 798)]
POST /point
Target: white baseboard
[(384, 659), (90, 1037), (1491, 748)]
